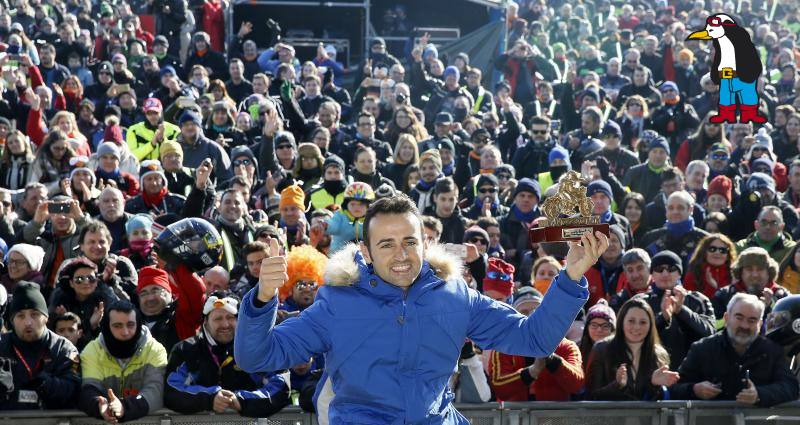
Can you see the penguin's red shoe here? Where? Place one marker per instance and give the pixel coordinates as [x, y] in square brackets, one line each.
[750, 113]
[727, 113]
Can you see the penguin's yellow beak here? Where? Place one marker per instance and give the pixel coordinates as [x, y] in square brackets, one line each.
[699, 35]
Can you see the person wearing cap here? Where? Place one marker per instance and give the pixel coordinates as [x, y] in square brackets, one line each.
[754, 272]
[769, 234]
[155, 197]
[139, 241]
[601, 322]
[197, 148]
[292, 218]
[641, 83]
[444, 92]
[180, 179]
[330, 191]
[523, 211]
[675, 118]
[442, 126]
[221, 126]
[111, 391]
[720, 163]
[108, 159]
[487, 199]
[42, 367]
[679, 233]
[620, 159]
[377, 54]
[757, 193]
[23, 263]
[646, 178]
[166, 58]
[682, 316]
[202, 374]
[655, 212]
[430, 164]
[715, 369]
[445, 208]
[144, 138]
[531, 159]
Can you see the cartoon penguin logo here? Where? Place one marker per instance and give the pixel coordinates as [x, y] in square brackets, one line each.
[735, 69]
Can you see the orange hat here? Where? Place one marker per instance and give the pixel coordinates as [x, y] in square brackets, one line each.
[293, 195]
[303, 263]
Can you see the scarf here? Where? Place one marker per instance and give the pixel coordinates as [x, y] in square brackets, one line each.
[141, 247]
[606, 216]
[522, 216]
[151, 201]
[672, 102]
[104, 175]
[334, 187]
[449, 168]
[479, 204]
[680, 229]
[424, 186]
[290, 230]
[654, 169]
[310, 176]
[220, 128]
[120, 349]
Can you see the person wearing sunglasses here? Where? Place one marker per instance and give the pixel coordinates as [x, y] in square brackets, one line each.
[769, 234]
[719, 161]
[487, 199]
[523, 211]
[81, 291]
[710, 265]
[682, 316]
[532, 158]
[620, 159]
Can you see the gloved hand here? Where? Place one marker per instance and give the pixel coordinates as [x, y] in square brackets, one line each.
[6, 377]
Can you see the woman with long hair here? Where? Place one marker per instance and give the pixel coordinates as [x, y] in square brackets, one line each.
[633, 209]
[632, 119]
[698, 144]
[66, 122]
[632, 364]
[16, 161]
[221, 127]
[406, 153]
[410, 178]
[220, 92]
[73, 93]
[51, 164]
[710, 265]
[787, 144]
[404, 121]
[789, 271]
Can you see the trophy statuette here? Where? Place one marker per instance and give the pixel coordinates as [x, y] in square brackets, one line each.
[561, 222]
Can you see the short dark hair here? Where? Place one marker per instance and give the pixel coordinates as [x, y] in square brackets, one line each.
[671, 173]
[540, 120]
[255, 246]
[400, 204]
[240, 181]
[444, 185]
[432, 223]
[95, 226]
[123, 306]
[67, 317]
[486, 222]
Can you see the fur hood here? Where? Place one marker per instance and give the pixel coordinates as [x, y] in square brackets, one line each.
[343, 268]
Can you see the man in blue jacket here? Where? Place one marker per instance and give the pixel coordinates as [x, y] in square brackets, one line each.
[393, 316]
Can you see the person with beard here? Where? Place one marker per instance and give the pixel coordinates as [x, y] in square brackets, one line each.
[124, 360]
[430, 164]
[309, 167]
[331, 190]
[445, 208]
[532, 157]
[202, 374]
[43, 365]
[584, 141]
[155, 196]
[737, 363]
[238, 86]
[620, 159]
[523, 211]
[52, 72]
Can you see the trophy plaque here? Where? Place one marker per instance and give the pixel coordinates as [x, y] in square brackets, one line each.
[561, 223]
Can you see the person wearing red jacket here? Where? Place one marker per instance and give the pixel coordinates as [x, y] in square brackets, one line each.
[214, 23]
[552, 378]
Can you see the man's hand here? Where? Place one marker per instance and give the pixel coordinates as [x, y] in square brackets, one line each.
[202, 174]
[75, 210]
[273, 273]
[115, 405]
[25, 61]
[472, 253]
[663, 376]
[679, 294]
[234, 404]
[584, 255]
[667, 306]
[706, 390]
[748, 395]
[105, 412]
[42, 213]
[97, 315]
[244, 29]
[221, 401]
[622, 375]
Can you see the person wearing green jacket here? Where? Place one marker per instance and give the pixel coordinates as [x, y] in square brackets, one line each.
[144, 138]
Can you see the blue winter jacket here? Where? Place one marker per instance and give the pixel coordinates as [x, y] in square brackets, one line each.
[390, 352]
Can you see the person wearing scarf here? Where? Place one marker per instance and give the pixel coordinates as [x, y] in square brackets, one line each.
[109, 156]
[235, 229]
[602, 197]
[431, 170]
[309, 165]
[514, 226]
[155, 197]
[609, 266]
[126, 349]
[487, 193]
[646, 178]
[140, 241]
[679, 233]
[331, 191]
[675, 118]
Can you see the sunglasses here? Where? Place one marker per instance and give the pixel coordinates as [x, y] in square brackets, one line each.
[305, 284]
[635, 104]
[539, 131]
[598, 326]
[498, 276]
[239, 162]
[487, 190]
[716, 21]
[283, 147]
[662, 269]
[720, 249]
[503, 176]
[85, 279]
[481, 241]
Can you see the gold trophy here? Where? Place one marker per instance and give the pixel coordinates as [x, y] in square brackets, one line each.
[561, 222]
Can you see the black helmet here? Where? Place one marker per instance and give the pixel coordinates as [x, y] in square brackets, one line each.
[783, 323]
[191, 241]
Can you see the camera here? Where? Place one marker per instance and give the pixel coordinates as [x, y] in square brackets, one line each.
[400, 99]
[58, 207]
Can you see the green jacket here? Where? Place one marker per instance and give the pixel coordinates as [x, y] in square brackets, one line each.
[140, 136]
[777, 251]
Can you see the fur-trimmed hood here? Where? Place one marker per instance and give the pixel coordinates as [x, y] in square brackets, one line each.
[344, 268]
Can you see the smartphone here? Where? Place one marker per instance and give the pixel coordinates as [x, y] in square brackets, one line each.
[58, 207]
[458, 250]
[555, 125]
[745, 379]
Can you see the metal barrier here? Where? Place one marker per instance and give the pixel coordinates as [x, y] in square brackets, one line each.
[532, 413]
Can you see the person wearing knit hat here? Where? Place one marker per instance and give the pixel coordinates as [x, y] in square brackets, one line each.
[292, 207]
[155, 196]
[190, 116]
[309, 165]
[331, 191]
[168, 147]
[245, 165]
[153, 276]
[139, 231]
[666, 261]
[526, 300]
[24, 262]
[487, 199]
[763, 183]
[27, 296]
[763, 164]
[108, 158]
[430, 165]
[558, 163]
[523, 211]
[498, 283]
[453, 73]
[659, 142]
[720, 194]
[601, 194]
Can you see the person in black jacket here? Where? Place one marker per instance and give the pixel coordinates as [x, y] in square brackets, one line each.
[202, 374]
[682, 317]
[171, 14]
[676, 118]
[531, 159]
[737, 363]
[445, 208]
[40, 368]
[646, 178]
[203, 55]
[620, 159]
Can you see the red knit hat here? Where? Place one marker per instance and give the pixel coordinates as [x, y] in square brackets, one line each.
[721, 185]
[499, 277]
[149, 276]
[113, 133]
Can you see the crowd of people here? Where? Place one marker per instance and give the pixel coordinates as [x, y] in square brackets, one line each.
[112, 136]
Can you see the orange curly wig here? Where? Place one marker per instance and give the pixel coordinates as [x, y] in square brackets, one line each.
[303, 263]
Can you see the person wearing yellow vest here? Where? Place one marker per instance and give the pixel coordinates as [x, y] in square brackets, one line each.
[331, 190]
[144, 138]
[558, 161]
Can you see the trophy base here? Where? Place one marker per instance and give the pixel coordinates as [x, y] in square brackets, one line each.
[564, 233]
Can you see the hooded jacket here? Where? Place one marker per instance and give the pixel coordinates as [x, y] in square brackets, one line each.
[390, 353]
[137, 382]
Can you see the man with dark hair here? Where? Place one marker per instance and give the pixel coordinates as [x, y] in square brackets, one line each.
[115, 393]
[432, 228]
[445, 208]
[43, 366]
[531, 159]
[414, 294]
[253, 253]
[69, 326]
[202, 374]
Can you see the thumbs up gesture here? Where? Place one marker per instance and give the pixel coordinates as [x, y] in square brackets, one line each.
[273, 273]
[115, 405]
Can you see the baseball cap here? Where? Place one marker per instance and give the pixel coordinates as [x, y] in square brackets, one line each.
[152, 104]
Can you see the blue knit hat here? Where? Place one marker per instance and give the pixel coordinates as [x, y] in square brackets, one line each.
[452, 70]
[139, 221]
[530, 186]
[760, 181]
[658, 142]
[558, 152]
[599, 186]
[190, 116]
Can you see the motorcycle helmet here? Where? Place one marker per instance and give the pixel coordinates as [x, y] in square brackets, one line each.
[191, 241]
[783, 323]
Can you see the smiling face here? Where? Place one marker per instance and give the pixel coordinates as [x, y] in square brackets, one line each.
[395, 247]
[221, 325]
[636, 325]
